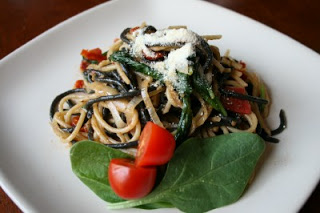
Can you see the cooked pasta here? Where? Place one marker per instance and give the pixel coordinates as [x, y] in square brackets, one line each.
[172, 77]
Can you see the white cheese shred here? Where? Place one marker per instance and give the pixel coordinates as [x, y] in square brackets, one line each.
[177, 59]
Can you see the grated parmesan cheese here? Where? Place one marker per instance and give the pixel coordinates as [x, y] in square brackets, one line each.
[177, 60]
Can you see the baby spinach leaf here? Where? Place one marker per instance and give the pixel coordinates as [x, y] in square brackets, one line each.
[205, 174]
[90, 162]
[157, 205]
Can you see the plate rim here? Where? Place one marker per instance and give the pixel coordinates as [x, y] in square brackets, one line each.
[13, 192]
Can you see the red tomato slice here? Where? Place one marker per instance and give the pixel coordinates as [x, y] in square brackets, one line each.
[157, 56]
[156, 146]
[84, 64]
[79, 84]
[129, 181]
[74, 121]
[234, 104]
[134, 29]
[94, 54]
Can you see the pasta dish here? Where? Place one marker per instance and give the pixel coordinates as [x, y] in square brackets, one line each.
[172, 77]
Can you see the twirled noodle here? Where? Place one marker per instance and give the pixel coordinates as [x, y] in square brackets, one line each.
[145, 96]
[123, 76]
[252, 120]
[202, 115]
[236, 75]
[117, 100]
[108, 127]
[172, 96]
[114, 47]
[255, 91]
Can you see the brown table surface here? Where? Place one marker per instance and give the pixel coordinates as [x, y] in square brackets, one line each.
[22, 20]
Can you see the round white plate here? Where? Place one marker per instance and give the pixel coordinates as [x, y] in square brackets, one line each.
[34, 166]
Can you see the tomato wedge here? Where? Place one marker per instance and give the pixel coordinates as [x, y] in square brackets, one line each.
[235, 104]
[156, 146]
[129, 181]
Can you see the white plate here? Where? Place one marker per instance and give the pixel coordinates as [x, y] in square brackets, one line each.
[35, 168]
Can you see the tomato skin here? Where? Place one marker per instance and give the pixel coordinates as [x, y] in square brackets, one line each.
[129, 181]
[79, 84]
[158, 55]
[74, 121]
[156, 146]
[84, 64]
[134, 29]
[94, 54]
[235, 104]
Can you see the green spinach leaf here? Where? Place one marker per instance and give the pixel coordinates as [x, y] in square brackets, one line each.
[157, 205]
[205, 174]
[90, 162]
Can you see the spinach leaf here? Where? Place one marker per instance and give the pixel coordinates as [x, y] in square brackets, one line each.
[90, 162]
[157, 205]
[125, 58]
[185, 121]
[186, 113]
[202, 86]
[206, 173]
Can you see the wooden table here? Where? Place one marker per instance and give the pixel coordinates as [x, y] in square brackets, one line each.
[22, 20]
